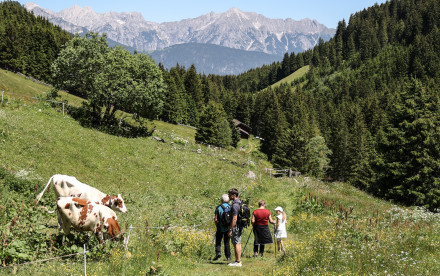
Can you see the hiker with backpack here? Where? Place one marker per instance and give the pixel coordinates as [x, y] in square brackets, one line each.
[222, 219]
[260, 223]
[234, 231]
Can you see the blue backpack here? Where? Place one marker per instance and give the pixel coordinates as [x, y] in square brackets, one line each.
[224, 215]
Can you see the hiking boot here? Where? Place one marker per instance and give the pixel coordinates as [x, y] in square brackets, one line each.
[216, 258]
[235, 264]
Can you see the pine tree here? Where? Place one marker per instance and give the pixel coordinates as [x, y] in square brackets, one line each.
[383, 34]
[235, 134]
[290, 151]
[273, 124]
[214, 126]
[339, 42]
[244, 107]
[262, 101]
[293, 63]
[285, 66]
[182, 107]
[300, 60]
[193, 87]
[409, 170]
[174, 103]
[360, 152]
[28, 44]
[339, 145]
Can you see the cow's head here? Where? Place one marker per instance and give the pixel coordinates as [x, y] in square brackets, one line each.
[118, 204]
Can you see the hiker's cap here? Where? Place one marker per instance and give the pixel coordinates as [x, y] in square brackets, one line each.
[279, 209]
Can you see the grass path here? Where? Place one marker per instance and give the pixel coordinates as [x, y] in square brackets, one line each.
[274, 194]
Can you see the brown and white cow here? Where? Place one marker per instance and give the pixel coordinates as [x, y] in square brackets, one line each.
[87, 216]
[69, 186]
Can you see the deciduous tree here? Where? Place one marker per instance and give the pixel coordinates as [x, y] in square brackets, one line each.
[111, 78]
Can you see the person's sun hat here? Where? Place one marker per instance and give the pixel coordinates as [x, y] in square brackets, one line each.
[279, 208]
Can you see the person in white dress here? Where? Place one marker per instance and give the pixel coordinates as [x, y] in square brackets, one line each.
[280, 228]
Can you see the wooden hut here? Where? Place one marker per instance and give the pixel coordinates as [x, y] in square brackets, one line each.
[245, 130]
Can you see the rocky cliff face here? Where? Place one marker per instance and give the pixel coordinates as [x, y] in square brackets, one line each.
[234, 29]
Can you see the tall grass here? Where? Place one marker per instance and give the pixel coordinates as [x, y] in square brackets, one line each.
[166, 184]
[174, 187]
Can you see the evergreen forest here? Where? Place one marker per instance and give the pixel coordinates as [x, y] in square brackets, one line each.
[367, 112]
[28, 44]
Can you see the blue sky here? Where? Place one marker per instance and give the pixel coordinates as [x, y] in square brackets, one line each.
[326, 12]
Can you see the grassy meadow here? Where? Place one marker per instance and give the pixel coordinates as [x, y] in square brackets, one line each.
[333, 228]
[295, 75]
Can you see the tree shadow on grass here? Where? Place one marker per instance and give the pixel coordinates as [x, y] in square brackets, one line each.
[113, 126]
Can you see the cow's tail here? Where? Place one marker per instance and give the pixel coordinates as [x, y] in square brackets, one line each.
[40, 195]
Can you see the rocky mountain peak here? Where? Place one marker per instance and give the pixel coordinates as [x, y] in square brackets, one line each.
[30, 6]
[235, 12]
[234, 29]
[79, 16]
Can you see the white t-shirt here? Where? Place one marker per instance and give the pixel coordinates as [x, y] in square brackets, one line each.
[281, 230]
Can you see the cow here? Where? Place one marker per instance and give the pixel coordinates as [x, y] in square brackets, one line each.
[69, 186]
[84, 215]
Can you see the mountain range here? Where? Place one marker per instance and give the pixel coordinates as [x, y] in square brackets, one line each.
[210, 58]
[235, 29]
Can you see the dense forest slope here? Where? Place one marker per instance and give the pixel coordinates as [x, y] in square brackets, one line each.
[367, 111]
[372, 94]
[28, 44]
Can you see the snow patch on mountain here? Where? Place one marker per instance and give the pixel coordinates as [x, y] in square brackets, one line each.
[234, 28]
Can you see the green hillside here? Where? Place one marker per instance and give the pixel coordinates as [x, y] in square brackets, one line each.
[15, 87]
[292, 77]
[333, 228]
[367, 112]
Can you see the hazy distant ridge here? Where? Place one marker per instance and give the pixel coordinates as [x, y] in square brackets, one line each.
[212, 59]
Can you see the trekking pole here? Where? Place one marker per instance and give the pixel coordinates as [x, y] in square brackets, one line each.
[242, 252]
[275, 241]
